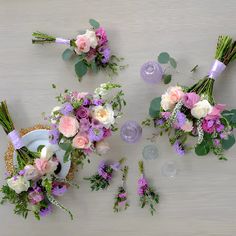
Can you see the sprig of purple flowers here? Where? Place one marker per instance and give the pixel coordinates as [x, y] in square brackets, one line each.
[101, 180]
[147, 195]
[121, 196]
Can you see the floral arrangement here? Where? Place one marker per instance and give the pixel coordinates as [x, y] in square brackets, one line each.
[147, 195]
[34, 184]
[101, 180]
[89, 50]
[84, 121]
[185, 112]
[121, 196]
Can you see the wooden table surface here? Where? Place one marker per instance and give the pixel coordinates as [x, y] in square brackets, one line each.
[201, 199]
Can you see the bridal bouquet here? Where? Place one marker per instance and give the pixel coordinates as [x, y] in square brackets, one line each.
[33, 185]
[84, 121]
[185, 112]
[89, 50]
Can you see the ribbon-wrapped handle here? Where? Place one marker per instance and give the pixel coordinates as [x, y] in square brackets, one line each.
[16, 139]
[62, 41]
[216, 69]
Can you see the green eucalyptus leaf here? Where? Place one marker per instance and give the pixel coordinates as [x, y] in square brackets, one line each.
[167, 79]
[94, 66]
[155, 107]
[163, 58]
[65, 146]
[228, 143]
[173, 62]
[67, 54]
[94, 23]
[81, 68]
[202, 149]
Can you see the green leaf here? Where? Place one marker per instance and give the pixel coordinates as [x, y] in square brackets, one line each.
[54, 86]
[228, 143]
[40, 147]
[155, 106]
[167, 79]
[173, 62]
[67, 54]
[163, 58]
[202, 149]
[94, 66]
[94, 23]
[65, 146]
[81, 68]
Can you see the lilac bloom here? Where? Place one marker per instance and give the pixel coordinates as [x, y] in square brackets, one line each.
[82, 112]
[97, 102]
[84, 125]
[95, 134]
[59, 189]
[54, 135]
[102, 171]
[122, 195]
[45, 211]
[180, 119]
[115, 166]
[66, 109]
[159, 122]
[178, 148]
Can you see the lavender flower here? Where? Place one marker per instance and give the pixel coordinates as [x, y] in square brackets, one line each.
[102, 171]
[82, 112]
[45, 211]
[180, 119]
[84, 125]
[95, 134]
[66, 109]
[115, 166]
[179, 148]
[54, 135]
[59, 189]
[97, 102]
[106, 53]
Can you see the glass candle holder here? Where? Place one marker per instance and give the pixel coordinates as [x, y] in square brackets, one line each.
[150, 152]
[131, 132]
[169, 169]
[151, 72]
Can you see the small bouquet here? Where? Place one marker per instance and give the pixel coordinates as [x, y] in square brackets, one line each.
[147, 195]
[121, 197]
[185, 112]
[33, 185]
[89, 51]
[101, 180]
[84, 121]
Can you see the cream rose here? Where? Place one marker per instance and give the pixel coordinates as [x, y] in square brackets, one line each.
[46, 153]
[30, 172]
[188, 126]
[91, 35]
[102, 147]
[104, 114]
[18, 184]
[166, 103]
[201, 109]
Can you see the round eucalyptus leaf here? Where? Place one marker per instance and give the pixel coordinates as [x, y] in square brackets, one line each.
[94, 23]
[173, 62]
[202, 149]
[67, 54]
[81, 68]
[167, 79]
[163, 58]
[155, 107]
[228, 143]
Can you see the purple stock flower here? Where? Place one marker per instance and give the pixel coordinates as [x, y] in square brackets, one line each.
[102, 36]
[159, 122]
[84, 124]
[180, 119]
[66, 109]
[36, 196]
[122, 195]
[216, 142]
[178, 148]
[45, 211]
[95, 134]
[115, 166]
[106, 55]
[102, 170]
[54, 135]
[82, 112]
[58, 189]
[22, 172]
[142, 185]
[97, 102]
[95, 123]
[86, 102]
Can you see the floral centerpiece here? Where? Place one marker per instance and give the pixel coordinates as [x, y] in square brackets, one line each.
[89, 50]
[33, 186]
[82, 124]
[185, 112]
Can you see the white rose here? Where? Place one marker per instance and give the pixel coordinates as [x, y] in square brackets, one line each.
[165, 102]
[18, 184]
[188, 126]
[201, 109]
[102, 147]
[46, 153]
[92, 38]
[31, 173]
[55, 114]
[104, 114]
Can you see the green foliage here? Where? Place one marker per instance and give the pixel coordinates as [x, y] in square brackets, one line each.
[173, 62]
[194, 68]
[97, 182]
[40, 147]
[167, 78]
[116, 207]
[149, 198]
[163, 58]
[202, 149]
[94, 23]
[81, 68]
[230, 116]
[67, 54]
[228, 143]
[155, 107]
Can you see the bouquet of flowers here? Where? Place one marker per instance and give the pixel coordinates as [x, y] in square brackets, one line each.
[103, 177]
[121, 197]
[89, 50]
[84, 121]
[147, 195]
[185, 112]
[33, 185]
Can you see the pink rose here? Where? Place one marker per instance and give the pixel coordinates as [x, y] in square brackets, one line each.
[190, 99]
[80, 141]
[82, 95]
[68, 126]
[83, 44]
[216, 112]
[36, 196]
[188, 126]
[44, 166]
[82, 112]
[175, 94]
